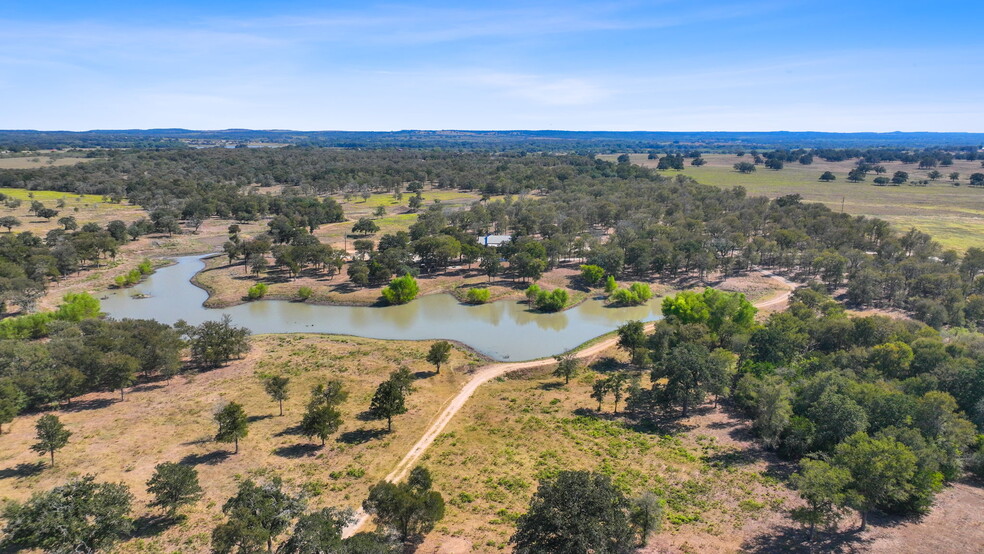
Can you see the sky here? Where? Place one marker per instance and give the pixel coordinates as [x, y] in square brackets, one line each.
[661, 65]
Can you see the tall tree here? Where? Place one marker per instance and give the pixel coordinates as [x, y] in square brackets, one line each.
[318, 532]
[773, 410]
[576, 511]
[320, 420]
[440, 353]
[388, 401]
[215, 343]
[646, 515]
[51, 435]
[12, 401]
[172, 486]
[599, 389]
[410, 509]
[276, 387]
[257, 514]
[881, 471]
[79, 516]
[823, 487]
[631, 336]
[331, 393]
[233, 424]
[567, 366]
[689, 373]
[119, 371]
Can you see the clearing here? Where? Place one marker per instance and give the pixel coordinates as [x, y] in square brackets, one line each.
[953, 215]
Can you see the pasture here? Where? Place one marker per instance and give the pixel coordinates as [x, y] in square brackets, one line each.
[953, 215]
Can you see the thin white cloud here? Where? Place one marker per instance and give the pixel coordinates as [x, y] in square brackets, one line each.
[420, 25]
[539, 89]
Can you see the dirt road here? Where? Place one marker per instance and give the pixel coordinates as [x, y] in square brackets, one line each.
[487, 373]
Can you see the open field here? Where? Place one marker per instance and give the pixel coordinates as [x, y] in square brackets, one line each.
[519, 429]
[953, 215]
[122, 441]
[85, 208]
[31, 162]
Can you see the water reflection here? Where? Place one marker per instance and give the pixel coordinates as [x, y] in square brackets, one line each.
[504, 330]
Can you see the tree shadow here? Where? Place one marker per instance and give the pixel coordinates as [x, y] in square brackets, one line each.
[292, 431]
[209, 459]
[143, 387]
[608, 364]
[360, 436]
[551, 385]
[418, 375]
[344, 287]
[730, 458]
[790, 538]
[93, 404]
[255, 418]
[147, 526]
[22, 470]
[294, 451]
[723, 425]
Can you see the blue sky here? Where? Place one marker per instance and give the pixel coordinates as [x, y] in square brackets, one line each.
[633, 65]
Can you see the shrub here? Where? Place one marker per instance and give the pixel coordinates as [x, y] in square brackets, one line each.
[642, 292]
[401, 290]
[75, 307]
[478, 296]
[552, 301]
[636, 294]
[130, 278]
[145, 267]
[624, 297]
[304, 293]
[610, 284]
[257, 291]
[592, 274]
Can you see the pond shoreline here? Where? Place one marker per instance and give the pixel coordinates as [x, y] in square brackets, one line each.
[212, 303]
[504, 330]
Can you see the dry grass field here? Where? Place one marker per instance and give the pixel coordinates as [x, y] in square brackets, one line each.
[953, 215]
[517, 430]
[158, 422]
[85, 208]
[39, 160]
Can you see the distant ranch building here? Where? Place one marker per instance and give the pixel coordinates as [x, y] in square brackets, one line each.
[495, 241]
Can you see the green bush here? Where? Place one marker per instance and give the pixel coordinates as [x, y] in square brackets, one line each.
[145, 267]
[642, 291]
[552, 301]
[75, 307]
[478, 296]
[257, 291]
[129, 279]
[636, 294]
[304, 293]
[624, 297]
[592, 274]
[401, 290]
[610, 284]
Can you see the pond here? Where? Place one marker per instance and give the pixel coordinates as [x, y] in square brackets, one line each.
[504, 330]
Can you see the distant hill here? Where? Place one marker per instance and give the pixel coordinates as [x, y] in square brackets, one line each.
[594, 141]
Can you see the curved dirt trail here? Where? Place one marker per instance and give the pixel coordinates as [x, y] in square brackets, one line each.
[489, 372]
